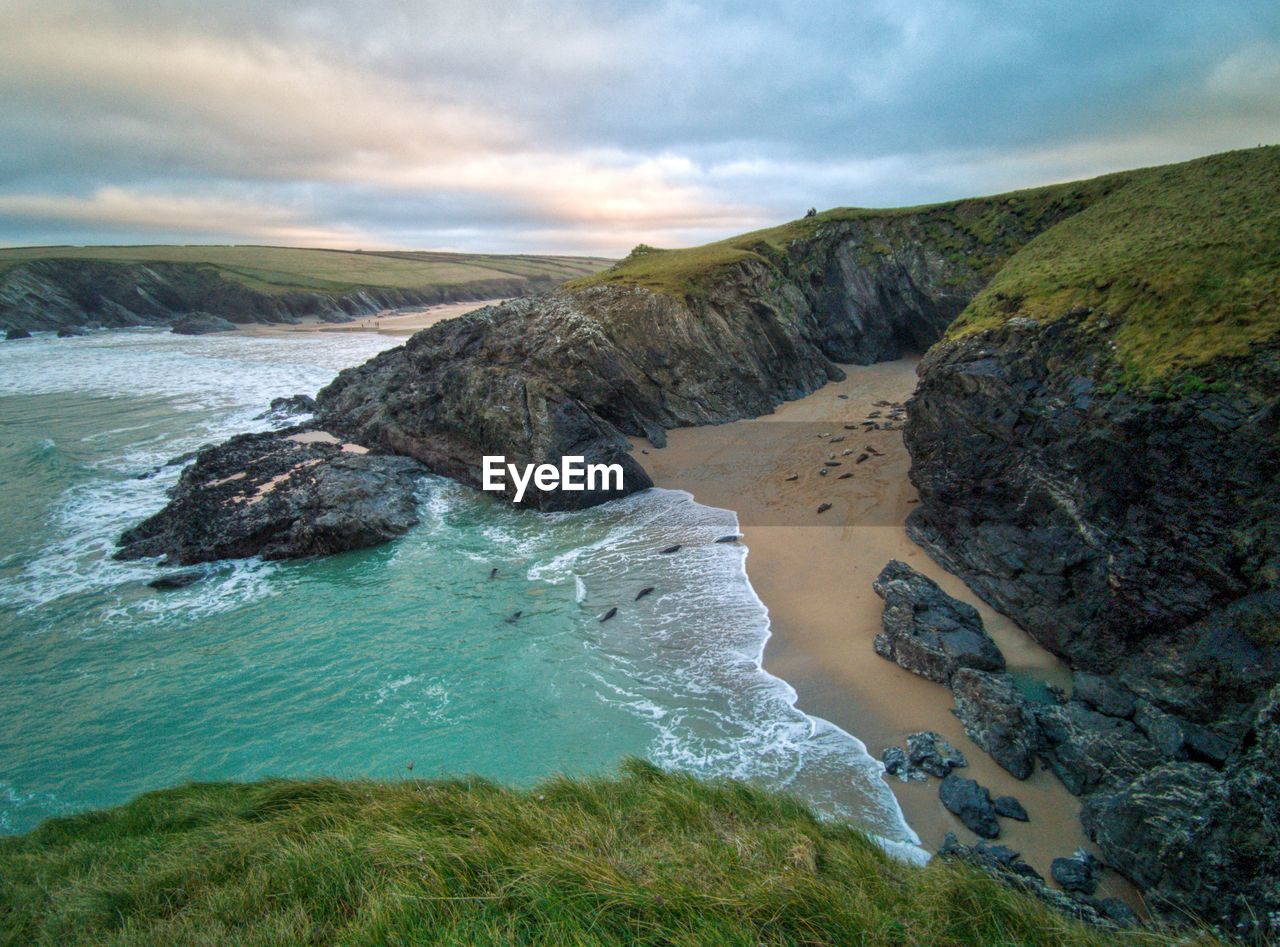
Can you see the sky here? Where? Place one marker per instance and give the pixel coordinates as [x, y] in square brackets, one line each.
[568, 127]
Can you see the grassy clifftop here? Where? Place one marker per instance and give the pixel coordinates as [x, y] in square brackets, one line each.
[278, 270]
[1186, 257]
[644, 858]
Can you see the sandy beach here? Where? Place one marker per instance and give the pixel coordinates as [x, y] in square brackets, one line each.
[399, 324]
[814, 572]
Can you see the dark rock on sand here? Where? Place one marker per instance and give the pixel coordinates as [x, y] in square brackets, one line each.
[202, 323]
[971, 803]
[998, 718]
[263, 494]
[927, 631]
[1010, 808]
[1080, 873]
[930, 752]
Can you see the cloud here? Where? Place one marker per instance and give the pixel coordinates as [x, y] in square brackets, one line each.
[564, 126]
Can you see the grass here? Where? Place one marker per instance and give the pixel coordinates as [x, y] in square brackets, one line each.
[1184, 259]
[644, 858]
[279, 270]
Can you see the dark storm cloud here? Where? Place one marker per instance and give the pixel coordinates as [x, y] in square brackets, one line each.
[590, 126]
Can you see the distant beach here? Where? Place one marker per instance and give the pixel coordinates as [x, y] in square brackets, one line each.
[400, 323]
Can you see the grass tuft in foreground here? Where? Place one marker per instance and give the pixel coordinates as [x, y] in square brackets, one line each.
[647, 857]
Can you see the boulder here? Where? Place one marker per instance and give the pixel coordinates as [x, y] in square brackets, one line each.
[14, 334]
[71, 332]
[1010, 808]
[971, 803]
[998, 718]
[289, 407]
[267, 495]
[202, 323]
[928, 751]
[1079, 873]
[1163, 730]
[927, 631]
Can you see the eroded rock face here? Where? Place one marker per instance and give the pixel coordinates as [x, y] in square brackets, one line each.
[268, 495]
[997, 717]
[927, 631]
[1202, 840]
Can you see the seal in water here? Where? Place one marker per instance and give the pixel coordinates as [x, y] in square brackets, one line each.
[513, 618]
[669, 550]
[493, 573]
[609, 614]
[643, 592]
[731, 538]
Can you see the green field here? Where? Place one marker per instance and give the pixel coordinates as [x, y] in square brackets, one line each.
[644, 858]
[285, 269]
[1184, 257]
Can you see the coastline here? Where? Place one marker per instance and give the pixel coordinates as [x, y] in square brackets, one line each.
[814, 572]
[397, 323]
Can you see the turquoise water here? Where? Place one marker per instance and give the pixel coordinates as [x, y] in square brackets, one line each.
[358, 664]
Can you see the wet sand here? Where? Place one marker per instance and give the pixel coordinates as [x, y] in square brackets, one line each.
[814, 572]
[399, 324]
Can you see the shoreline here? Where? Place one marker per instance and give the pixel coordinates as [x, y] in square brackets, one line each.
[813, 572]
[400, 323]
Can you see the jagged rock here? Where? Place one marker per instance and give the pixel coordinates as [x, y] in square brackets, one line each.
[14, 334]
[263, 494]
[1088, 750]
[1010, 808]
[971, 803]
[1162, 729]
[927, 631]
[1006, 866]
[1102, 694]
[1080, 873]
[288, 407]
[1202, 841]
[928, 751]
[896, 764]
[71, 332]
[202, 323]
[998, 718]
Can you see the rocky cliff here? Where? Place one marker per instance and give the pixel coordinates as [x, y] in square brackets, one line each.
[52, 294]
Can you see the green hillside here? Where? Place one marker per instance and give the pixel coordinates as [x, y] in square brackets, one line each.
[278, 270]
[1186, 256]
[646, 858]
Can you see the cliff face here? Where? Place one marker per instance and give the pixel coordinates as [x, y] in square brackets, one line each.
[54, 294]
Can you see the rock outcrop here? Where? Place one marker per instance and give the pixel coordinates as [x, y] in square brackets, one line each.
[927, 631]
[279, 497]
[202, 323]
[49, 294]
[998, 718]
[971, 804]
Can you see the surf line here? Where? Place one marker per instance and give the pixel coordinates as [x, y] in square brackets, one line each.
[573, 474]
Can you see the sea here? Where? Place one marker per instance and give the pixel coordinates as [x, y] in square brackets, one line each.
[393, 663]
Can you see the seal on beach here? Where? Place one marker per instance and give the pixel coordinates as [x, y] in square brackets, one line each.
[846, 475]
[643, 592]
[609, 614]
[861, 458]
[669, 550]
[832, 463]
[793, 477]
[513, 618]
[823, 507]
